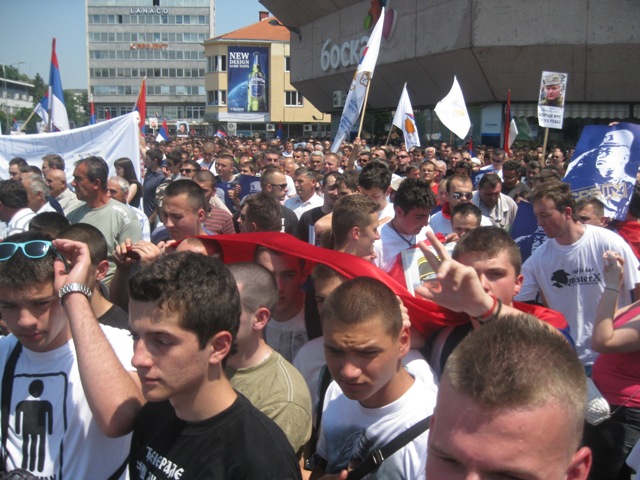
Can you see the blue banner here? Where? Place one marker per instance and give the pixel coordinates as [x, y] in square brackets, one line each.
[604, 165]
[248, 79]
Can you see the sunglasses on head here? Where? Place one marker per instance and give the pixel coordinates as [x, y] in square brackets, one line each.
[33, 249]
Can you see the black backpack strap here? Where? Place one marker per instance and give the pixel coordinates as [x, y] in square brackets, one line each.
[310, 448]
[380, 454]
[5, 400]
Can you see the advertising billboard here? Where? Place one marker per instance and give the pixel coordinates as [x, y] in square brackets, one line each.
[248, 79]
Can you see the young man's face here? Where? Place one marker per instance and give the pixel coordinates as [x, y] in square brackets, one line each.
[34, 315]
[463, 224]
[489, 195]
[364, 359]
[554, 222]
[224, 167]
[376, 194]
[170, 363]
[323, 288]
[14, 172]
[180, 218]
[367, 237]
[497, 275]
[533, 443]
[587, 216]
[412, 222]
[460, 192]
[289, 275]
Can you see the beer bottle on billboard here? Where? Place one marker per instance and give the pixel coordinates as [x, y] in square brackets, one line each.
[257, 87]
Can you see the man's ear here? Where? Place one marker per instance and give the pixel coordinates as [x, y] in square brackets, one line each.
[354, 233]
[219, 346]
[101, 270]
[201, 215]
[580, 465]
[260, 318]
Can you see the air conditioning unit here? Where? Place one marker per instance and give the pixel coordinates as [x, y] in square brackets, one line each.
[307, 128]
[271, 127]
[339, 97]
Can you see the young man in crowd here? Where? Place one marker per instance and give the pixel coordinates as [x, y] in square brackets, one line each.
[195, 424]
[71, 397]
[511, 405]
[271, 383]
[354, 226]
[373, 399]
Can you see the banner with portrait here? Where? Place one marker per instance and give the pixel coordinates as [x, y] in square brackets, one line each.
[248, 79]
[553, 88]
[605, 164]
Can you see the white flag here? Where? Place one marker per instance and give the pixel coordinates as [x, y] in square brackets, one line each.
[358, 89]
[405, 120]
[452, 111]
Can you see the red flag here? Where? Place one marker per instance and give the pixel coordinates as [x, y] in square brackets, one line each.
[141, 104]
[107, 114]
[507, 124]
[92, 111]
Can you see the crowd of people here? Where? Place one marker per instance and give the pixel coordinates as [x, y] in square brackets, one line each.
[251, 293]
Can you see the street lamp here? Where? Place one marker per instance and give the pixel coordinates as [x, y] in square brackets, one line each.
[6, 95]
[278, 23]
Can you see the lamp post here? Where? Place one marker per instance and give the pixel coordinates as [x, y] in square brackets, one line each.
[6, 95]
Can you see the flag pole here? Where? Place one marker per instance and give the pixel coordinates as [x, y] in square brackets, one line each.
[544, 144]
[364, 105]
[389, 136]
[27, 121]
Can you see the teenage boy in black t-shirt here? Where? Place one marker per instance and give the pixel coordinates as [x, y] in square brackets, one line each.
[184, 316]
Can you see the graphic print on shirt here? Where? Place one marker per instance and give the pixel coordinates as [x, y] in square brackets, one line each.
[579, 276]
[38, 423]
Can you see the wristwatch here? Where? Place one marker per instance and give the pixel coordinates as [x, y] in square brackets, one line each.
[74, 287]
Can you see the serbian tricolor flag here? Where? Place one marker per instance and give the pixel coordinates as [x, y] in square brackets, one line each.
[220, 134]
[92, 111]
[141, 105]
[163, 133]
[279, 132]
[510, 128]
[51, 108]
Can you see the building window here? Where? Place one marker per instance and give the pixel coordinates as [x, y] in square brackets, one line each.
[293, 99]
[217, 63]
[217, 97]
[287, 64]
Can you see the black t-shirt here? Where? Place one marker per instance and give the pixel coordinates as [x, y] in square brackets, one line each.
[289, 220]
[309, 218]
[239, 443]
[115, 317]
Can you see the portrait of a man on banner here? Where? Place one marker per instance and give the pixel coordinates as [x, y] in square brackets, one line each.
[605, 165]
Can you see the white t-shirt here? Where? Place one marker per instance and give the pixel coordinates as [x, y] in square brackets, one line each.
[391, 243]
[286, 338]
[50, 411]
[570, 280]
[350, 432]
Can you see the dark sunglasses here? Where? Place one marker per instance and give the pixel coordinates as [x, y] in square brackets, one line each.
[33, 249]
[282, 186]
[459, 195]
[187, 170]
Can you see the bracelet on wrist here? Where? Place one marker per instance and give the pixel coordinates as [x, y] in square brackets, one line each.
[492, 313]
[73, 288]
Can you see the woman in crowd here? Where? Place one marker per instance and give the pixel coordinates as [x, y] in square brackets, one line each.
[124, 169]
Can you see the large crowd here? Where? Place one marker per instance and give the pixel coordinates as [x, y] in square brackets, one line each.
[248, 308]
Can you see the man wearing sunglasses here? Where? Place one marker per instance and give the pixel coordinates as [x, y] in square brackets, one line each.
[69, 390]
[459, 191]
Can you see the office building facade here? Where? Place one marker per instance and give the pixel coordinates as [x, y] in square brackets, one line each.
[161, 40]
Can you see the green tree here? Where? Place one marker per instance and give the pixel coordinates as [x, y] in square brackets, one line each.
[39, 88]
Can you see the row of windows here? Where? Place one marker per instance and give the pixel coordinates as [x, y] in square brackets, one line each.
[114, 90]
[148, 19]
[147, 72]
[219, 98]
[182, 37]
[218, 63]
[146, 55]
[168, 112]
[147, 3]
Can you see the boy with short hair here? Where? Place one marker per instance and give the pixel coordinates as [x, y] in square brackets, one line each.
[184, 316]
[373, 398]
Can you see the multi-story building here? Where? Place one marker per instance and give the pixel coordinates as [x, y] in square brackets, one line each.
[161, 40]
[248, 86]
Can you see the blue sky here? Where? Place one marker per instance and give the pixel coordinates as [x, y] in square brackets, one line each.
[27, 27]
